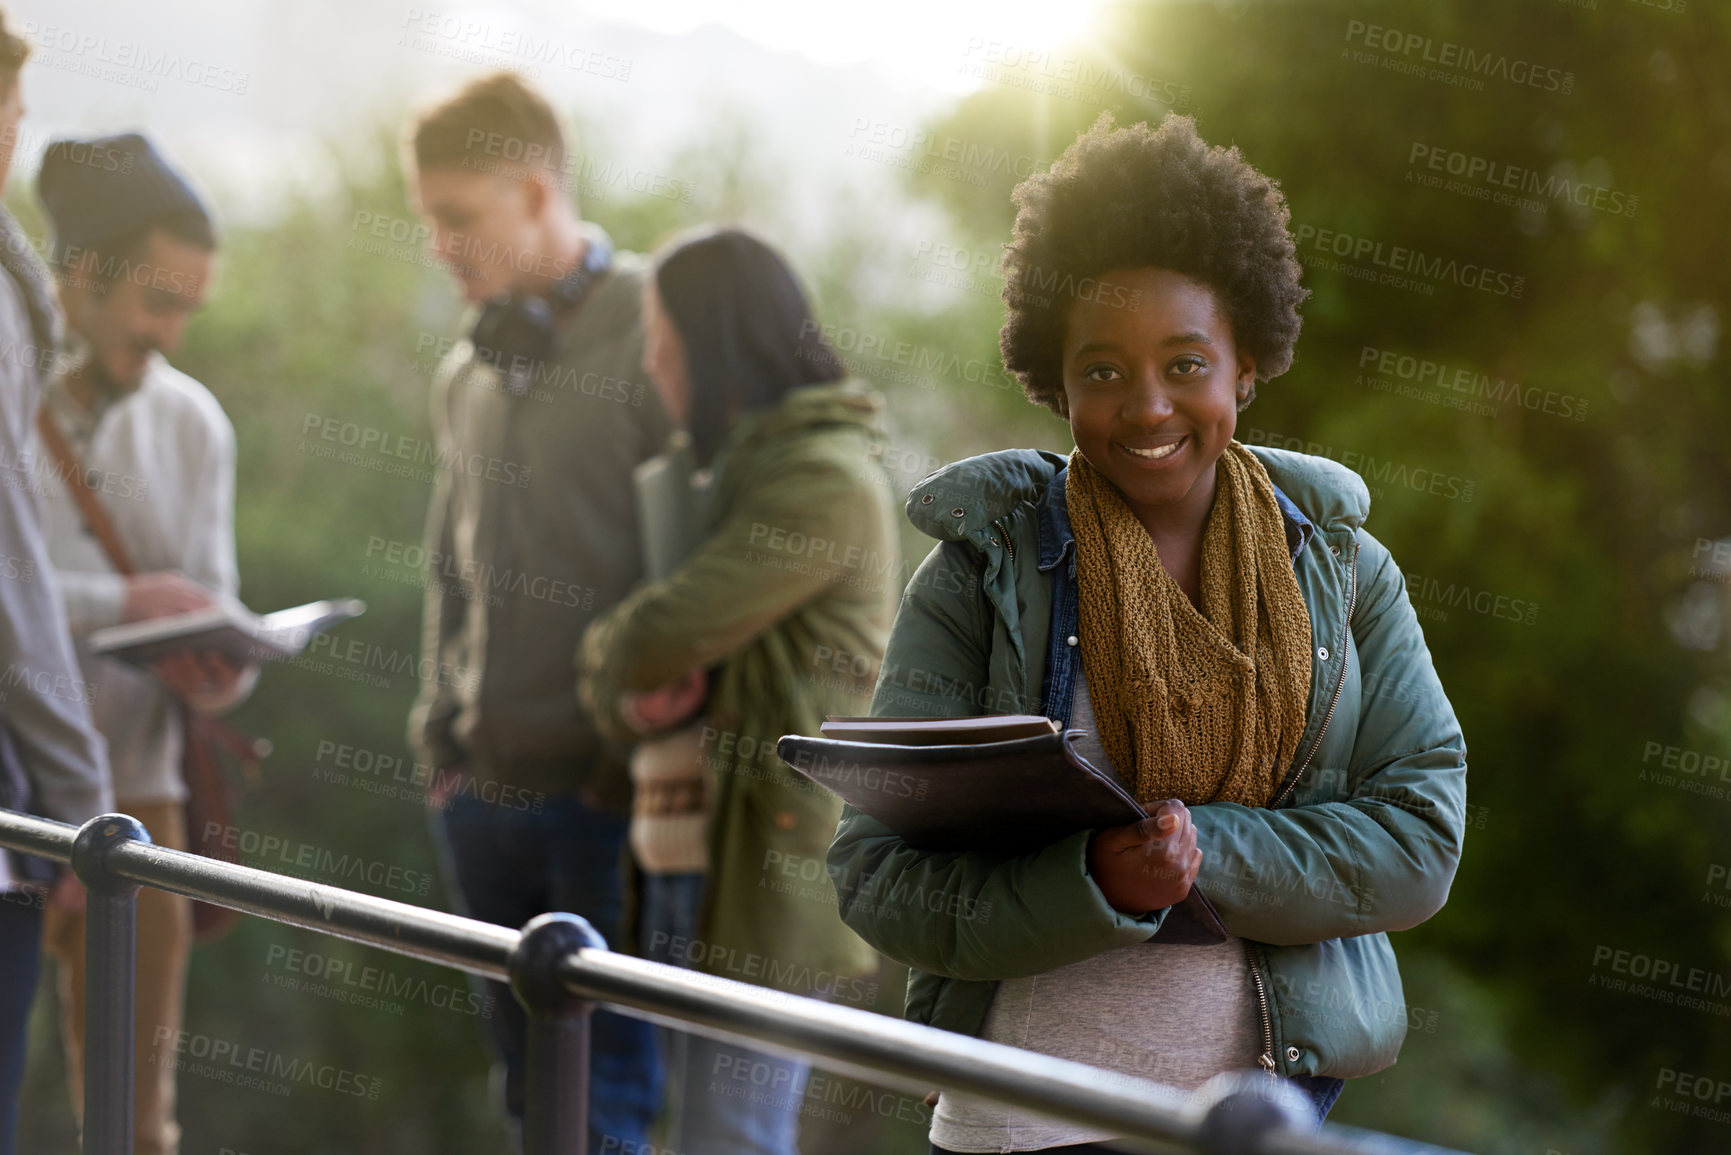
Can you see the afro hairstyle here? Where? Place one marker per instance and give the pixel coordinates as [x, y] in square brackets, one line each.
[1137, 197]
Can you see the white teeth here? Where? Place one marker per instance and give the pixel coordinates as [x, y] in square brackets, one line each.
[1156, 454]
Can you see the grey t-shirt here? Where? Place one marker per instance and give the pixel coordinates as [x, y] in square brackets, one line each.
[1175, 1014]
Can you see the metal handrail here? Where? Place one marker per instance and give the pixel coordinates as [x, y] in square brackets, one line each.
[560, 969]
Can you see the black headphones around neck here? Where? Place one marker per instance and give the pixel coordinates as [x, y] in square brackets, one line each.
[514, 332]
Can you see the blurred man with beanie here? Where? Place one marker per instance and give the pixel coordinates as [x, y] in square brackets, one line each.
[51, 758]
[154, 454]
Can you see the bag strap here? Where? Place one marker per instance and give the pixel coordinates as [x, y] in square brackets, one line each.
[83, 493]
[247, 750]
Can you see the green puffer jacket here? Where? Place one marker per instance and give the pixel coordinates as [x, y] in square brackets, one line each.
[789, 600]
[1364, 841]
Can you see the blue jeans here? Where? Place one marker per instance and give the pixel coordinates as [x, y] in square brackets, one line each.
[1322, 1089]
[723, 1099]
[20, 951]
[505, 866]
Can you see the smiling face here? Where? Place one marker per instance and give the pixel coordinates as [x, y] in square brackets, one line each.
[141, 310]
[1151, 390]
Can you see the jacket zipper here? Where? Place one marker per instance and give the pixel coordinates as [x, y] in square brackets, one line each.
[1266, 1059]
[1008, 544]
[1345, 656]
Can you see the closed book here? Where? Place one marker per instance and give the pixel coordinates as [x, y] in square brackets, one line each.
[1010, 797]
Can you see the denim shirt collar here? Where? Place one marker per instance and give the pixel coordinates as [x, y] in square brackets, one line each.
[1056, 537]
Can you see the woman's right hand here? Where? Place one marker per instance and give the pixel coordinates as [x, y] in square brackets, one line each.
[1148, 864]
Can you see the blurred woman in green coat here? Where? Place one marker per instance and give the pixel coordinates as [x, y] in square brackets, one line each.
[777, 618]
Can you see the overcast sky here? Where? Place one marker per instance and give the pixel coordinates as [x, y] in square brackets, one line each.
[248, 93]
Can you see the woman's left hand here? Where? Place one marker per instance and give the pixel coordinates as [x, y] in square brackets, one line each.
[666, 705]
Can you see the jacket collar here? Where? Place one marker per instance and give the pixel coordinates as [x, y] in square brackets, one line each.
[1056, 536]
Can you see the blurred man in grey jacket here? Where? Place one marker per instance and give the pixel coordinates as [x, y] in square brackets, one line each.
[541, 416]
[52, 761]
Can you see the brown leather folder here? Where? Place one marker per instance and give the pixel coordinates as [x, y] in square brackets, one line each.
[1008, 797]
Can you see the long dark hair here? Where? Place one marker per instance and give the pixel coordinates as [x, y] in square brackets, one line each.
[747, 328]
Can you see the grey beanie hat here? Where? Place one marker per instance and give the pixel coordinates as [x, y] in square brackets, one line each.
[110, 187]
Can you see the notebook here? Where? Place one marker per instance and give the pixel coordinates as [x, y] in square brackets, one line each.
[1006, 795]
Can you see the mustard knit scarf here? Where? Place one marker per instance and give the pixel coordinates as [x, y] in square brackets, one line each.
[1202, 706]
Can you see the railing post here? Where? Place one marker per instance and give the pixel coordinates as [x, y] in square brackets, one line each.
[110, 975]
[556, 1108]
[1246, 1106]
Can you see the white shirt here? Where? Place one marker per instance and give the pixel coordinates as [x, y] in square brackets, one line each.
[162, 461]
